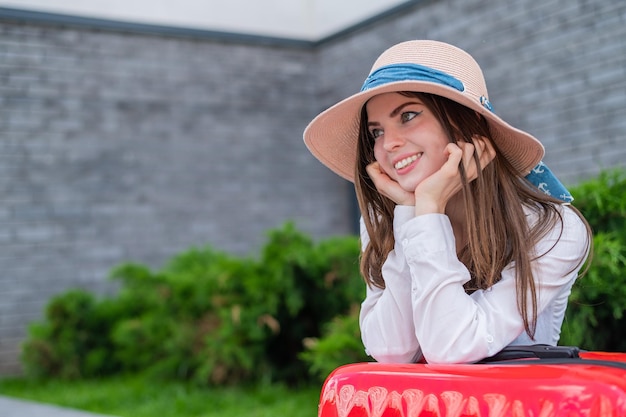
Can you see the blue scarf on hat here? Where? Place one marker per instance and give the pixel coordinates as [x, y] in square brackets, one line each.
[542, 178]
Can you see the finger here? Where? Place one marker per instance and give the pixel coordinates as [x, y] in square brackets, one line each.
[484, 154]
[455, 156]
[469, 163]
[376, 173]
[479, 145]
[379, 177]
[484, 150]
[489, 153]
[388, 187]
[373, 169]
[468, 153]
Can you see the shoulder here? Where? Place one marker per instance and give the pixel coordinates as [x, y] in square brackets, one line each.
[567, 232]
[566, 216]
[572, 220]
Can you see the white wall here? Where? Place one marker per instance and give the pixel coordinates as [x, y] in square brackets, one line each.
[298, 19]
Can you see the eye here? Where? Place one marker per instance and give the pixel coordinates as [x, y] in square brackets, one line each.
[375, 133]
[409, 115]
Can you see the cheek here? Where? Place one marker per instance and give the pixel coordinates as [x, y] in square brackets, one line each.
[379, 152]
[381, 156]
[438, 148]
[439, 156]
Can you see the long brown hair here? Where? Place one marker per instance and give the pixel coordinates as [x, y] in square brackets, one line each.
[496, 227]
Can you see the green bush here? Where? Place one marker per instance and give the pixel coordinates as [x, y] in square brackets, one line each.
[185, 323]
[340, 345]
[596, 314]
[73, 342]
[206, 316]
[316, 283]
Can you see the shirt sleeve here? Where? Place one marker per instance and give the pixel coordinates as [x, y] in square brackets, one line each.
[386, 318]
[424, 308]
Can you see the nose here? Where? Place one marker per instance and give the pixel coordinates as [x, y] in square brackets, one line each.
[392, 140]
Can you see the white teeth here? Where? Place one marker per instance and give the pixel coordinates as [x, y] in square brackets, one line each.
[406, 161]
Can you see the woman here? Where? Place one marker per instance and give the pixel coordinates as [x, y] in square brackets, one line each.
[462, 254]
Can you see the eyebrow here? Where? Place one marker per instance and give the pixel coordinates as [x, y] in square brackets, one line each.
[396, 111]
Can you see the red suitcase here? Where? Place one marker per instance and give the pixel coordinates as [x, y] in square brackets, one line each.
[542, 381]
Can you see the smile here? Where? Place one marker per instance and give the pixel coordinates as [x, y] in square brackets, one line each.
[407, 161]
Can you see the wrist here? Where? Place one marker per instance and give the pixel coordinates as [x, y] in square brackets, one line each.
[426, 206]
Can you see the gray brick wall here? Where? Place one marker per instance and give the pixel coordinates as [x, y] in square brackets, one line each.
[118, 146]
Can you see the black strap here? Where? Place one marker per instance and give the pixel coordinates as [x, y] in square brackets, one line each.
[534, 351]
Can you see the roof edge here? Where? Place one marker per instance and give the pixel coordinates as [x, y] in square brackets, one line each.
[60, 19]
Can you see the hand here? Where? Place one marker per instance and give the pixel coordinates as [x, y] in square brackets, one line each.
[432, 194]
[388, 187]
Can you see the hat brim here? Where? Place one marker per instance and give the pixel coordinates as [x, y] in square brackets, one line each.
[332, 136]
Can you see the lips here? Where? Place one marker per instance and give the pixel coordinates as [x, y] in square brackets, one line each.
[405, 162]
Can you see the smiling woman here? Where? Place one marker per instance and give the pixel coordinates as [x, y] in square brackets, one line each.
[409, 143]
[462, 255]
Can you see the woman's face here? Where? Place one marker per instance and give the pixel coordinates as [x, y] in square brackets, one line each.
[409, 141]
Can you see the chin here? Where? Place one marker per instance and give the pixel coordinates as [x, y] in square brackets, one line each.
[409, 186]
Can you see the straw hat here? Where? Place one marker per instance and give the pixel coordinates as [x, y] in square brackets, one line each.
[420, 66]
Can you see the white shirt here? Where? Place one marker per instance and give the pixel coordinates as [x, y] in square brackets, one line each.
[424, 309]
